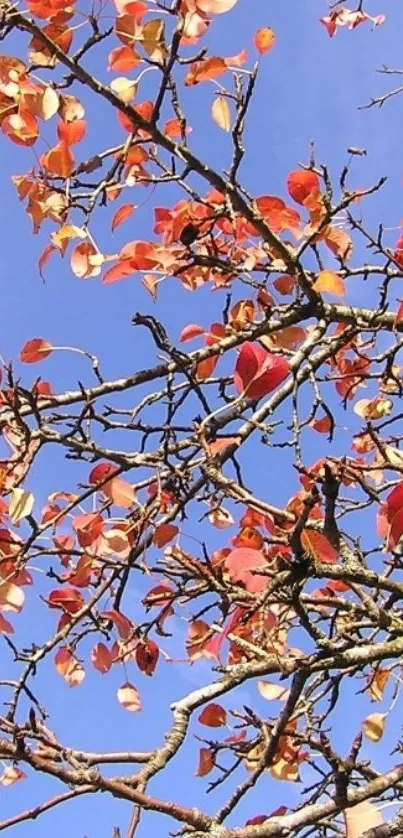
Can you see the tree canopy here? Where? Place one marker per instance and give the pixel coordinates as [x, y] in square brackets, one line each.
[218, 548]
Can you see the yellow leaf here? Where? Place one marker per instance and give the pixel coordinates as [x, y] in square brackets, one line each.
[21, 505]
[373, 408]
[373, 726]
[378, 683]
[221, 113]
[329, 283]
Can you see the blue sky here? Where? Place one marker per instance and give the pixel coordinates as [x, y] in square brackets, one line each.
[310, 88]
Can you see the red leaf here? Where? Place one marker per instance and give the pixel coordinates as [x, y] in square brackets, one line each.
[399, 315]
[35, 350]
[213, 716]
[147, 655]
[100, 472]
[323, 425]
[206, 762]
[122, 623]
[5, 626]
[88, 528]
[257, 372]
[68, 599]
[391, 513]
[164, 534]
[101, 658]
[240, 562]
[284, 284]
[319, 546]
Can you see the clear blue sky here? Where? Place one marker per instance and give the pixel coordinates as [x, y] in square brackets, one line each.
[309, 88]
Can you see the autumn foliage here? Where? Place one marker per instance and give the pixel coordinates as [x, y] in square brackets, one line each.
[259, 568]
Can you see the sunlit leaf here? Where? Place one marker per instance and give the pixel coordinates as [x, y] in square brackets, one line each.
[221, 113]
[272, 692]
[213, 715]
[21, 504]
[129, 698]
[373, 727]
[35, 350]
[264, 40]
[329, 282]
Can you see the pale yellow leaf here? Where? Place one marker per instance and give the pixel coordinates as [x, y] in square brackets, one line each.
[21, 505]
[221, 113]
[373, 727]
[272, 692]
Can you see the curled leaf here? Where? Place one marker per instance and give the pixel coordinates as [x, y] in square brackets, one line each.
[373, 727]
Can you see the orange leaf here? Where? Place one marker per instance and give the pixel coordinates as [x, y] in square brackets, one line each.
[59, 160]
[123, 59]
[122, 623]
[120, 492]
[35, 350]
[22, 128]
[71, 133]
[302, 185]
[264, 40]
[377, 684]
[329, 283]
[121, 215]
[205, 70]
